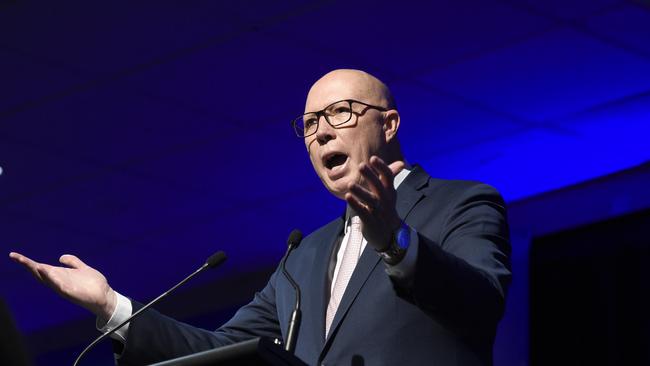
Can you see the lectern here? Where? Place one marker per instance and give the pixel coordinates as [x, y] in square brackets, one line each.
[254, 352]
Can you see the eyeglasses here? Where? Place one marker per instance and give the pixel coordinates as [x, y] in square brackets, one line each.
[335, 114]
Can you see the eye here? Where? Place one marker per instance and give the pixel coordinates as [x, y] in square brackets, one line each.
[310, 122]
[341, 109]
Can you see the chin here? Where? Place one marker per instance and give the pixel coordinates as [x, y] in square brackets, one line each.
[339, 187]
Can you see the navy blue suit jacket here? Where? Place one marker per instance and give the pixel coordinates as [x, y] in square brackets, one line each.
[445, 313]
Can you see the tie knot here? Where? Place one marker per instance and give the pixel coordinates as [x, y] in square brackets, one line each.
[355, 221]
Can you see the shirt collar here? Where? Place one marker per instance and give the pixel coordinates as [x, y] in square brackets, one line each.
[399, 178]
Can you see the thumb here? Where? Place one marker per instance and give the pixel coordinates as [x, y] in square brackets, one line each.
[71, 261]
[396, 167]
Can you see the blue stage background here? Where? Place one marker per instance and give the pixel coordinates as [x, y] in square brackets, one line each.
[143, 136]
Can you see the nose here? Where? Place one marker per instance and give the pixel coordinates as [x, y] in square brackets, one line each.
[325, 132]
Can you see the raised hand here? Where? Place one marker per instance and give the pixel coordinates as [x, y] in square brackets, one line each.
[77, 282]
[374, 201]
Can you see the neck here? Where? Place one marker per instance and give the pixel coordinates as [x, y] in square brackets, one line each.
[392, 153]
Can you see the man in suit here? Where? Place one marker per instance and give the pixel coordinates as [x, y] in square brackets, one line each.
[414, 272]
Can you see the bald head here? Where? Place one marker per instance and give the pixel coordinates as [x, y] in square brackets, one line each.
[338, 150]
[348, 84]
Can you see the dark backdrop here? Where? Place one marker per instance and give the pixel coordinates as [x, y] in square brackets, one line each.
[590, 294]
[145, 135]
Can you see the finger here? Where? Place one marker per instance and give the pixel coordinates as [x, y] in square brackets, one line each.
[15, 256]
[47, 276]
[358, 207]
[370, 175]
[387, 172]
[364, 196]
[396, 167]
[31, 265]
[71, 261]
[384, 173]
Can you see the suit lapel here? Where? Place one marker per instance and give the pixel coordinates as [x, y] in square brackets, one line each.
[317, 289]
[408, 195]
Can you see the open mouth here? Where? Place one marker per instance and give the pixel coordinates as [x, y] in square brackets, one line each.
[335, 160]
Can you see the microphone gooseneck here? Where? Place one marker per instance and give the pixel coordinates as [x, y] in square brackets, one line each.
[294, 323]
[213, 261]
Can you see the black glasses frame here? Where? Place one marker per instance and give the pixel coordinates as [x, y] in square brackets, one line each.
[300, 132]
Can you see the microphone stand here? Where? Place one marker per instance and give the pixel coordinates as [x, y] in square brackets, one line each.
[214, 260]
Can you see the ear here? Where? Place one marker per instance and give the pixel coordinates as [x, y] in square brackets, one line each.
[391, 124]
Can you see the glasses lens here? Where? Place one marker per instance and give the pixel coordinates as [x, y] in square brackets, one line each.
[339, 112]
[306, 124]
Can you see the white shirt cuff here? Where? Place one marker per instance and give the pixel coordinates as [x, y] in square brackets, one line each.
[123, 310]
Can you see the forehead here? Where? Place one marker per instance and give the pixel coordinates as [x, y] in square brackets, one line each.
[328, 91]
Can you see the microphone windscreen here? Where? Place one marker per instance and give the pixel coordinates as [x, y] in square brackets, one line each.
[216, 259]
[294, 238]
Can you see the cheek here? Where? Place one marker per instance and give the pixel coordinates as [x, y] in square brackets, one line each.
[360, 153]
[311, 152]
[313, 163]
[308, 146]
[365, 142]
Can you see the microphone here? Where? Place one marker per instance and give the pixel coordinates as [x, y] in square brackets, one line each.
[213, 261]
[294, 324]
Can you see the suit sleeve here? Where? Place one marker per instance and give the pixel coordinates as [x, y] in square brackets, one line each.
[154, 337]
[461, 277]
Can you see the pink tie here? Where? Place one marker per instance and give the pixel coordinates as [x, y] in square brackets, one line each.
[349, 261]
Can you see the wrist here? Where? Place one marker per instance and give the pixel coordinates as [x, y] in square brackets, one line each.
[389, 237]
[108, 308]
[397, 246]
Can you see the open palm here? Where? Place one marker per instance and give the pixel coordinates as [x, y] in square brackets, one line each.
[77, 282]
